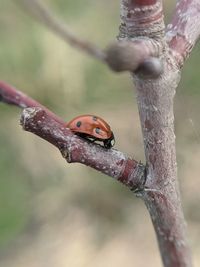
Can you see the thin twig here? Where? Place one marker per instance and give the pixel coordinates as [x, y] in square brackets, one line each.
[10, 95]
[42, 13]
[127, 56]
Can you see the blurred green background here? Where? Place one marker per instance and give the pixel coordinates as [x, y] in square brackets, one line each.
[58, 214]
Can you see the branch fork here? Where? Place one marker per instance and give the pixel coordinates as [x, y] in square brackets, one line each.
[121, 56]
[140, 19]
[154, 55]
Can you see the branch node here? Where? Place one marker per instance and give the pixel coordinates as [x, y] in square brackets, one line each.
[122, 56]
[135, 57]
[141, 174]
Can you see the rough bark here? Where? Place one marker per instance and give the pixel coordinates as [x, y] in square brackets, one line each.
[41, 121]
[154, 55]
[75, 149]
[184, 29]
[144, 20]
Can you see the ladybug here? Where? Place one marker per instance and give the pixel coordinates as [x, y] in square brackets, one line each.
[92, 128]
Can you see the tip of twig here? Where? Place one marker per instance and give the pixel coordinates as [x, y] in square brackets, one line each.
[151, 67]
[27, 114]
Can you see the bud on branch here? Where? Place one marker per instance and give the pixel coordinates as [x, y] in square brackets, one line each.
[137, 56]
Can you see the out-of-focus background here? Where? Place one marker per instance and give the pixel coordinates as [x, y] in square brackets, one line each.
[57, 214]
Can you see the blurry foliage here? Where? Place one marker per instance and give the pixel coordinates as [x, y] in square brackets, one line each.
[68, 82]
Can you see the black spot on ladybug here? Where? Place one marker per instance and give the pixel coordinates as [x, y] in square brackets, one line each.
[78, 124]
[94, 118]
[97, 130]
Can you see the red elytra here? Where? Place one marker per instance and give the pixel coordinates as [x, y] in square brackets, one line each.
[92, 128]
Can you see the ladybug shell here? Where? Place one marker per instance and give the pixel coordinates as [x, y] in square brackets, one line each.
[90, 125]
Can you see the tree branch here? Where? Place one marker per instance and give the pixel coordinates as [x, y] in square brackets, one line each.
[142, 23]
[42, 13]
[75, 149]
[10, 95]
[143, 19]
[139, 56]
[118, 59]
[184, 30]
[39, 120]
[141, 37]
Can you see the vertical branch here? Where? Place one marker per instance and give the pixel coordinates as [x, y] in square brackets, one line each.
[184, 30]
[162, 197]
[144, 20]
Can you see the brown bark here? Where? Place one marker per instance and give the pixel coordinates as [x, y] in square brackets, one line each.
[184, 30]
[155, 57]
[41, 121]
[155, 103]
[75, 149]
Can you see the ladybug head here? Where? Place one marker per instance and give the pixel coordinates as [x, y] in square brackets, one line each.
[110, 142]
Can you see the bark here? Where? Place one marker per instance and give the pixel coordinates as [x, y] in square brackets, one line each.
[184, 30]
[120, 63]
[154, 55]
[41, 121]
[75, 149]
[155, 103]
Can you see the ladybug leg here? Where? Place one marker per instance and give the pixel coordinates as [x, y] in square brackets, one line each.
[86, 137]
[92, 140]
[107, 143]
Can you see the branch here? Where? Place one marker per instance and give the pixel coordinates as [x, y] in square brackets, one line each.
[184, 30]
[39, 120]
[75, 149]
[119, 57]
[139, 56]
[10, 95]
[41, 12]
[142, 27]
[141, 18]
